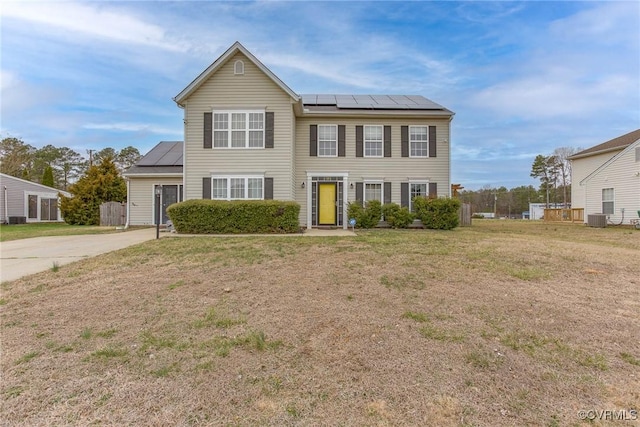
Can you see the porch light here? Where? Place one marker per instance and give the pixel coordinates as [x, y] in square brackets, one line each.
[351, 186]
[302, 184]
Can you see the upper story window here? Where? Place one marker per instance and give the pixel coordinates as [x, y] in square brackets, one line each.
[327, 140]
[238, 129]
[238, 68]
[373, 141]
[418, 141]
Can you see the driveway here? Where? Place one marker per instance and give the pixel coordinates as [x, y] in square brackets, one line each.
[29, 256]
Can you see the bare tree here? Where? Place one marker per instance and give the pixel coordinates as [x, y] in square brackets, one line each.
[563, 163]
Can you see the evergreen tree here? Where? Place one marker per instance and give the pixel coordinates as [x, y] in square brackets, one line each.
[101, 183]
[47, 177]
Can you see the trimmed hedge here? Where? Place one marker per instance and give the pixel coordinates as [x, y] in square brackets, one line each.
[234, 217]
[396, 216]
[366, 217]
[437, 214]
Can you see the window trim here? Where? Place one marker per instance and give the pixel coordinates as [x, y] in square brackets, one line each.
[611, 201]
[229, 130]
[318, 140]
[417, 182]
[411, 142]
[364, 141]
[369, 182]
[246, 179]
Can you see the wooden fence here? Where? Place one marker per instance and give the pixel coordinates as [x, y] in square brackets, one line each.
[571, 215]
[113, 213]
[464, 215]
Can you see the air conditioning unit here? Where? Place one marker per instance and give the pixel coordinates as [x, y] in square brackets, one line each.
[597, 220]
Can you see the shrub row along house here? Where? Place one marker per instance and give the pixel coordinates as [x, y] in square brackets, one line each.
[247, 135]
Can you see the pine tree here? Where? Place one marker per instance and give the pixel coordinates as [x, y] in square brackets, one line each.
[101, 183]
[47, 177]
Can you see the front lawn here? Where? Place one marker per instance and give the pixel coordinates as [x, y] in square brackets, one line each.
[500, 324]
[26, 231]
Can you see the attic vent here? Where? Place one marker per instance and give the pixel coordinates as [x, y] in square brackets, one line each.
[238, 68]
[637, 154]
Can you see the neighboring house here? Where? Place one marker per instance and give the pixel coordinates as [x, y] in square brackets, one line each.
[606, 178]
[162, 166]
[249, 136]
[26, 201]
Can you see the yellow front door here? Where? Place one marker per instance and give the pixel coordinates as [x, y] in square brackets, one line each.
[327, 203]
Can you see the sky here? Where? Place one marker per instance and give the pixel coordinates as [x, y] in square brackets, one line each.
[523, 78]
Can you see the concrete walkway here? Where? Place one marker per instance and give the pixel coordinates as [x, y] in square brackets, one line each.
[23, 257]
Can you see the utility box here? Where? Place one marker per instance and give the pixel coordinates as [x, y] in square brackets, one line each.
[597, 220]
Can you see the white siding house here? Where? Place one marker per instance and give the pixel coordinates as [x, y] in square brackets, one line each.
[606, 179]
[26, 201]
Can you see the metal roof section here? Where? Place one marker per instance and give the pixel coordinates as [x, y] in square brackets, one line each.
[211, 69]
[371, 102]
[166, 153]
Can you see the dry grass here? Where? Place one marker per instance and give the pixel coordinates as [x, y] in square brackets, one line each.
[504, 323]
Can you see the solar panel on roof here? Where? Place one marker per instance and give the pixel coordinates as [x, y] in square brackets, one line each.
[326, 100]
[309, 99]
[166, 153]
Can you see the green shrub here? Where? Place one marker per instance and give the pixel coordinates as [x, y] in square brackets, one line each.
[396, 216]
[366, 217]
[233, 217]
[437, 214]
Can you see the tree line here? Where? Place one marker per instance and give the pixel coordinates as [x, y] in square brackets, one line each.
[554, 173]
[57, 167]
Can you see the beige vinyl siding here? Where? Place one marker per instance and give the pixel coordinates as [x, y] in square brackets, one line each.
[580, 169]
[253, 90]
[395, 169]
[623, 175]
[141, 196]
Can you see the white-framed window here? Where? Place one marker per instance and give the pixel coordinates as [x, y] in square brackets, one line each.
[373, 141]
[238, 129]
[608, 201]
[373, 191]
[418, 141]
[238, 67]
[417, 189]
[327, 140]
[237, 188]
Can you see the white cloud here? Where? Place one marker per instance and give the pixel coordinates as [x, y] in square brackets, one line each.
[91, 20]
[134, 127]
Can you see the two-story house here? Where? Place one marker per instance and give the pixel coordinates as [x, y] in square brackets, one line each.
[247, 135]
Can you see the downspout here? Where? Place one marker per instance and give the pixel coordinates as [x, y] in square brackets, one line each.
[126, 225]
[6, 206]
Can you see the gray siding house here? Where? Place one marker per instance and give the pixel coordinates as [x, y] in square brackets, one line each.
[249, 136]
[26, 201]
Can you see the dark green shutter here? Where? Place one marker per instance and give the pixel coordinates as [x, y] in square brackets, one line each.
[359, 192]
[359, 141]
[342, 143]
[206, 188]
[387, 192]
[208, 130]
[433, 190]
[268, 188]
[387, 141]
[268, 129]
[404, 194]
[404, 141]
[432, 141]
[313, 140]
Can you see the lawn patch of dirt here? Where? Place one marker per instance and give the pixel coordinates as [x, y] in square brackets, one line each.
[503, 323]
